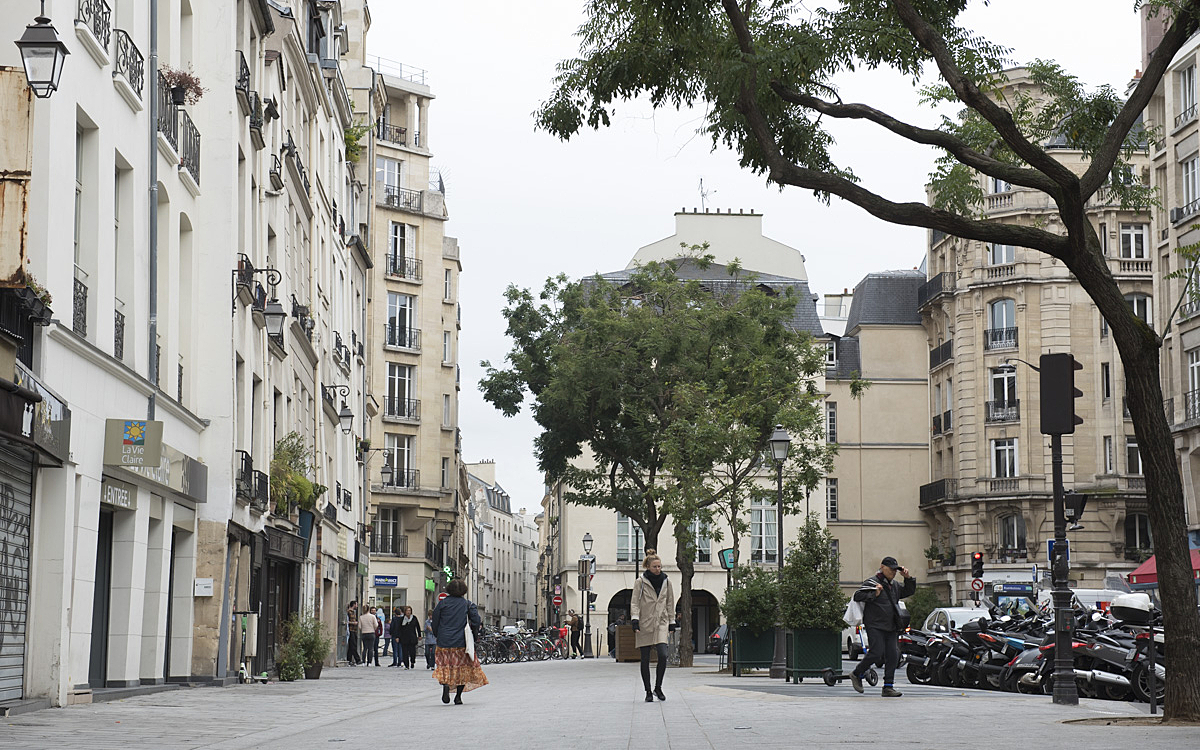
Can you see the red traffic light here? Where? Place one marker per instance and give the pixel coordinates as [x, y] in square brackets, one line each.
[978, 556]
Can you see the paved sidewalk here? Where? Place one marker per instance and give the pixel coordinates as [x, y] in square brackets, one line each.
[576, 704]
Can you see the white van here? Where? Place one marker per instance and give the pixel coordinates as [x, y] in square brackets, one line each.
[1094, 598]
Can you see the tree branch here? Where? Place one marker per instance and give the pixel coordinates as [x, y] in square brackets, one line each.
[960, 150]
[969, 93]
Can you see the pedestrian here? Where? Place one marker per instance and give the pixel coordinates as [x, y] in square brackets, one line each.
[409, 629]
[430, 640]
[367, 624]
[880, 596]
[653, 617]
[385, 636]
[576, 626]
[613, 629]
[397, 646]
[378, 630]
[352, 634]
[455, 665]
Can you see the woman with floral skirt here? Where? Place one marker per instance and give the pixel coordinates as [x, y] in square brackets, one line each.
[456, 667]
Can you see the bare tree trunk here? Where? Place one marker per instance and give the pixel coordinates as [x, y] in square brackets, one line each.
[687, 570]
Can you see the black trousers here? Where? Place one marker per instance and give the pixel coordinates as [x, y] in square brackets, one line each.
[883, 648]
[660, 669]
[352, 647]
[409, 656]
[576, 641]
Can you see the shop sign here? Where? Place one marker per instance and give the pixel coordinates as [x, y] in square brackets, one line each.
[132, 443]
[387, 581]
[118, 494]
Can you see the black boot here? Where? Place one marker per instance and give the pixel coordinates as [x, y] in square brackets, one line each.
[458, 696]
[445, 693]
[658, 692]
[649, 697]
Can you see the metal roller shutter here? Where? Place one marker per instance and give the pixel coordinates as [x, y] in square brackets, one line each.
[16, 492]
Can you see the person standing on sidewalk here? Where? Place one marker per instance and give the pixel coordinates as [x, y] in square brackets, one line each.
[378, 631]
[880, 596]
[653, 618]
[385, 637]
[352, 634]
[394, 634]
[367, 624]
[576, 626]
[450, 620]
[430, 640]
[409, 630]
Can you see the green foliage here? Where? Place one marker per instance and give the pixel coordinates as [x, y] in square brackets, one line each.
[290, 662]
[35, 286]
[753, 599]
[289, 484]
[858, 385]
[309, 637]
[923, 601]
[811, 596]
[933, 552]
[353, 139]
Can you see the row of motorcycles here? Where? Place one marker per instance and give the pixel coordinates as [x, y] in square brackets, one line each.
[1013, 650]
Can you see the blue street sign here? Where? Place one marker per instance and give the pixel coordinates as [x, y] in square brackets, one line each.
[1050, 550]
[387, 581]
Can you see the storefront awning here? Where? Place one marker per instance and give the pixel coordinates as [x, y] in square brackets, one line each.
[1147, 573]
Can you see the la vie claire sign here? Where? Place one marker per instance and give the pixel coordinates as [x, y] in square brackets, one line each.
[132, 442]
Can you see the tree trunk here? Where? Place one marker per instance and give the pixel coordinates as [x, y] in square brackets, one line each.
[687, 570]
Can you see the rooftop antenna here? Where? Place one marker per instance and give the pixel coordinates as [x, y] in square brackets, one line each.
[704, 195]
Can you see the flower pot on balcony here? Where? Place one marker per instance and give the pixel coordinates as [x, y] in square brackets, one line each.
[178, 95]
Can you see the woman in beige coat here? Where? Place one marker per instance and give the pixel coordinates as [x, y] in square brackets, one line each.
[653, 614]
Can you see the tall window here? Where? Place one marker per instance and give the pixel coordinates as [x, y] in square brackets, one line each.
[385, 536]
[831, 498]
[402, 318]
[1187, 92]
[1105, 381]
[998, 185]
[1103, 233]
[389, 172]
[1190, 180]
[1140, 303]
[445, 472]
[831, 354]
[446, 410]
[402, 459]
[1004, 458]
[629, 540]
[1012, 532]
[1108, 455]
[1193, 368]
[999, 255]
[447, 292]
[1133, 457]
[762, 531]
[1133, 240]
[402, 240]
[831, 421]
[1137, 532]
[1004, 385]
[1002, 325]
[400, 389]
[447, 347]
[701, 540]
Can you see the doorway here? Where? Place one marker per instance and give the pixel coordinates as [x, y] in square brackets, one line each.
[98, 665]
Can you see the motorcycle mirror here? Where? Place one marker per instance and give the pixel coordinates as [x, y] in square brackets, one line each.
[1097, 617]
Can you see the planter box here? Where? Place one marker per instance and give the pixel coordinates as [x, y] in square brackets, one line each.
[810, 653]
[313, 672]
[748, 650]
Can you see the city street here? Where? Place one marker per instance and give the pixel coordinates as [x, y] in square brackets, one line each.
[569, 704]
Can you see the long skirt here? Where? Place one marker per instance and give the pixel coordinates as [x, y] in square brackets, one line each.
[455, 667]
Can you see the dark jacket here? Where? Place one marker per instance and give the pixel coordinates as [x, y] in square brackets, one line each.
[882, 611]
[406, 633]
[450, 618]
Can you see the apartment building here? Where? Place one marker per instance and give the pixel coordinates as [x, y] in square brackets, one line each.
[988, 310]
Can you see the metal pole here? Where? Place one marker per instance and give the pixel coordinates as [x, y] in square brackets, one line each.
[152, 240]
[1065, 691]
[779, 662]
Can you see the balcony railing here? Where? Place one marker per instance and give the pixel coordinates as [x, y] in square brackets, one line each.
[244, 485]
[942, 489]
[262, 490]
[402, 408]
[1136, 266]
[260, 297]
[242, 85]
[389, 544]
[168, 115]
[947, 420]
[409, 478]
[97, 16]
[941, 354]
[401, 198]
[405, 268]
[79, 309]
[130, 62]
[999, 338]
[331, 511]
[276, 172]
[293, 152]
[347, 498]
[1003, 411]
[1182, 212]
[943, 283]
[118, 335]
[1004, 484]
[1185, 116]
[407, 338]
[189, 145]
[256, 112]
[1191, 405]
[392, 133]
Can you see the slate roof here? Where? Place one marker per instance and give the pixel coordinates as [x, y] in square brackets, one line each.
[804, 318]
[886, 298]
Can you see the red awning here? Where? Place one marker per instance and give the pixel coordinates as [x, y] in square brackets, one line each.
[1147, 572]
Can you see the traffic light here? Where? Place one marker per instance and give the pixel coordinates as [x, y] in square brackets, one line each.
[977, 565]
[1058, 394]
[591, 597]
[1073, 505]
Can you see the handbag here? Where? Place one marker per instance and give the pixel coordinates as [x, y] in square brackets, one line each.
[854, 614]
[470, 640]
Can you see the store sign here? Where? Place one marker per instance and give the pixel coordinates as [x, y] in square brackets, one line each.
[177, 472]
[48, 422]
[386, 581]
[118, 494]
[132, 443]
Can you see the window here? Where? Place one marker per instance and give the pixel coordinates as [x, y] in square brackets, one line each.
[1189, 183]
[831, 421]
[447, 292]
[831, 498]
[629, 540]
[836, 548]
[1108, 454]
[402, 243]
[1133, 240]
[446, 410]
[1187, 93]
[1133, 457]
[1137, 532]
[402, 319]
[447, 347]
[701, 540]
[402, 459]
[1103, 234]
[831, 353]
[1002, 331]
[998, 185]
[762, 531]
[389, 173]
[1012, 532]
[400, 388]
[1103, 327]
[1004, 385]
[385, 537]
[445, 471]
[999, 255]
[1004, 458]
[1141, 307]
[1105, 381]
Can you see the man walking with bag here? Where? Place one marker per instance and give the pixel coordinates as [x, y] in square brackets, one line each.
[880, 596]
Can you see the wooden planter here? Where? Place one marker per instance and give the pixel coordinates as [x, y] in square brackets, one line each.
[750, 650]
[811, 653]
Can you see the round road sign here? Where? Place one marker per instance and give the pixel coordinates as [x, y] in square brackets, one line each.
[441, 596]
[557, 601]
[977, 584]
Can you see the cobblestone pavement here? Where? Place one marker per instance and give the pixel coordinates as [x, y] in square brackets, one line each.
[568, 704]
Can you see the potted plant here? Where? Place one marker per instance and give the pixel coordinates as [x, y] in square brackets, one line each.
[307, 642]
[933, 554]
[184, 84]
[813, 602]
[750, 609]
[290, 663]
[290, 485]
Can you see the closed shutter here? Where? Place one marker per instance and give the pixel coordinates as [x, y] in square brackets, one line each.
[16, 493]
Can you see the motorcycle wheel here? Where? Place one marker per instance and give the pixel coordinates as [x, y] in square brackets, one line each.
[1139, 681]
[918, 675]
[1115, 692]
[942, 675]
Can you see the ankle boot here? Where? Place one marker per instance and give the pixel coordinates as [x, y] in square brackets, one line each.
[649, 697]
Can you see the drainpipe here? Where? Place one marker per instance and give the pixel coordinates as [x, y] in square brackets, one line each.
[152, 74]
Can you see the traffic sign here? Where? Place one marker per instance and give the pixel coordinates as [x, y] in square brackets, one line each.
[441, 596]
[977, 584]
[557, 601]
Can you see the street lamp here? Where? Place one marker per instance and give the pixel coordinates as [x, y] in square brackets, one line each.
[345, 416]
[587, 544]
[585, 577]
[42, 54]
[780, 442]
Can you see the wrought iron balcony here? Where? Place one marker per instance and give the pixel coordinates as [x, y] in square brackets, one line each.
[189, 145]
[79, 309]
[1003, 411]
[276, 172]
[406, 338]
[403, 267]
[947, 420]
[942, 489]
[293, 152]
[389, 544]
[97, 16]
[168, 115]
[941, 354]
[402, 408]
[262, 491]
[242, 85]
[937, 424]
[391, 133]
[408, 478]
[118, 335]
[260, 297]
[244, 485]
[999, 338]
[130, 63]
[402, 198]
[941, 284]
[1185, 116]
[347, 498]
[330, 511]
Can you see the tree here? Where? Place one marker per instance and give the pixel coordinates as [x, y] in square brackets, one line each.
[810, 596]
[763, 72]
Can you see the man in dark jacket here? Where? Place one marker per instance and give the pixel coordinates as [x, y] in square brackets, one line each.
[880, 596]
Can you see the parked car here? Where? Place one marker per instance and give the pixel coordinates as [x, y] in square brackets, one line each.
[855, 638]
[718, 642]
[946, 619]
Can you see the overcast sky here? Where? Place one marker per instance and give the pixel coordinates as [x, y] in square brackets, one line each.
[525, 206]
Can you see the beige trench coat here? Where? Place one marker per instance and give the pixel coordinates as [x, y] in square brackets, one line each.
[654, 612]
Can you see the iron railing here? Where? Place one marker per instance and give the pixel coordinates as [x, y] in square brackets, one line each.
[262, 490]
[404, 267]
[402, 198]
[118, 334]
[1003, 411]
[97, 16]
[295, 154]
[390, 544]
[244, 486]
[402, 408]
[1185, 115]
[276, 172]
[947, 420]
[1000, 338]
[189, 146]
[408, 338]
[941, 284]
[410, 478]
[942, 489]
[391, 133]
[941, 354]
[260, 297]
[243, 76]
[130, 63]
[331, 511]
[937, 424]
[256, 112]
[168, 114]
[79, 309]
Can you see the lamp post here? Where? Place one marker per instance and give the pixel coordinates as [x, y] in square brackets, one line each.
[780, 443]
[587, 603]
[42, 54]
[345, 416]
